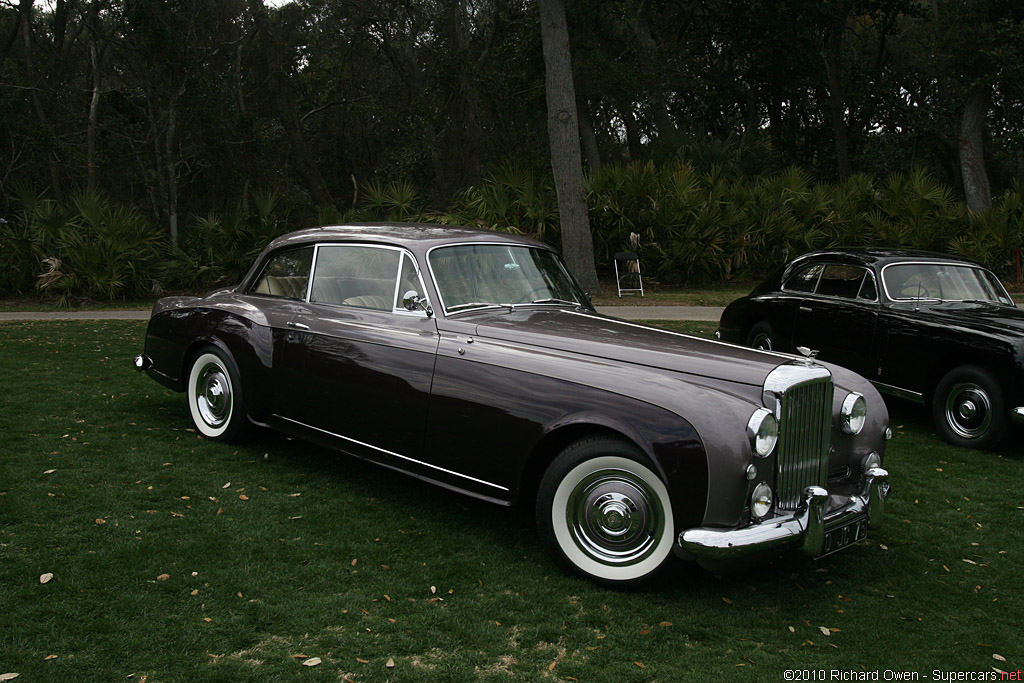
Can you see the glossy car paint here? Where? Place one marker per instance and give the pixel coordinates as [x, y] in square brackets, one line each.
[904, 347]
[482, 400]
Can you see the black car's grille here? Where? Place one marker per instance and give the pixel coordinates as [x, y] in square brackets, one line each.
[804, 433]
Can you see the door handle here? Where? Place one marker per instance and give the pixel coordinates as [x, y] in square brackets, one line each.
[806, 309]
[296, 326]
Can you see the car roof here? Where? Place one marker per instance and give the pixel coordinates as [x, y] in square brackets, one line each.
[880, 257]
[416, 236]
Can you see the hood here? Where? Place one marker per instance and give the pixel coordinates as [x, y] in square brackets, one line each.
[983, 317]
[600, 336]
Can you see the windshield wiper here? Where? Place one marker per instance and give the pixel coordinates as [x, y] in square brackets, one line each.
[553, 300]
[477, 304]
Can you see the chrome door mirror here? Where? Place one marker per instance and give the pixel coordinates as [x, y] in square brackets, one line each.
[412, 301]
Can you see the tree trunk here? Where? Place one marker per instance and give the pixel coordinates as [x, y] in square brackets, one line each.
[833, 56]
[972, 150]
[25, 10]
[591, 152]
[564, 137]
[91, 130]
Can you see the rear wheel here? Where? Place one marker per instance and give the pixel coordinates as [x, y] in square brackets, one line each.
[605, 515]
[968, 408]
[214, 394]
[761, 337]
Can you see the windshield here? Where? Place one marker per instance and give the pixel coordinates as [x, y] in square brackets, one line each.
[943, 281]
[480, 275]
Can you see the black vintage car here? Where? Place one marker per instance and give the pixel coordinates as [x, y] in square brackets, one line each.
[930, 328]
[473, 360]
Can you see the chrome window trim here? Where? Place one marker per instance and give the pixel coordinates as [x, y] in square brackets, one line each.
[789, 276]
[402, 254]
[391, 453]
[510, 245]
[955, 264]
[832, 297]
[251, 289]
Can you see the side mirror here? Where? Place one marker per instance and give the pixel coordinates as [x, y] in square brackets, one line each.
[412, 301]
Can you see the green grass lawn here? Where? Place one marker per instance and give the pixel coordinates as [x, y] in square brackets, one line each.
[179, 559]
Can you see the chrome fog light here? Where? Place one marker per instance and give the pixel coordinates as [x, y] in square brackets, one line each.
[872, 460]
[763, 430]
[854, 413]
[761, 500]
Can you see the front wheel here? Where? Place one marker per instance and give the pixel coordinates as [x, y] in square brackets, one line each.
[606, 516]
[215, 396]
[968, 408]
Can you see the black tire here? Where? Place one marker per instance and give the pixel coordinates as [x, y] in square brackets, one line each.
[761, 337]
[214, 393]
[605, 515]
[968, 408]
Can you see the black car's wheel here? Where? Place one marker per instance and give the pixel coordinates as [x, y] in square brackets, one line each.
[968, 408]
[606, 516]
[214, 394]
[761, 337]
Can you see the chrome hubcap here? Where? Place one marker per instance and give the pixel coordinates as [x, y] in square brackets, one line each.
[213, 395]
[763, 342]
[968, 410]
[614, 517]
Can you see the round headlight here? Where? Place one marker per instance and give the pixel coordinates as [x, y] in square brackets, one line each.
[763, 430]
[761, 500]
[854, 413]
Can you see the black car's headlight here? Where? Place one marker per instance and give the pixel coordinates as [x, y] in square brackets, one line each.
[854, 413]
[763, 430]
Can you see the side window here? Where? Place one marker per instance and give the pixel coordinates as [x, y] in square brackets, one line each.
[804, 279]
[355, 275]
[286, 275]
[841, 281]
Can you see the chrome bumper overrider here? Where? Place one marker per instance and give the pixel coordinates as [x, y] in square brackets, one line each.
[808, 528]
[143, 362]
[1017, 415]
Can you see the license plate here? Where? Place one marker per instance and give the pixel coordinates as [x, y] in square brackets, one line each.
[847, 534]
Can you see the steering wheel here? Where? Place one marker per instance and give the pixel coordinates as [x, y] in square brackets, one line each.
[915, 290]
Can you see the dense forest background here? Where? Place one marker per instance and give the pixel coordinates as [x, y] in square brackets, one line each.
[152, 144]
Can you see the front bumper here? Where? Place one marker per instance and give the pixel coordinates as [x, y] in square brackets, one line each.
[808, 529]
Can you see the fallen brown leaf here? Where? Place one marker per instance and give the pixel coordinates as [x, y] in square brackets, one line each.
[46, 578]
[163, 577]
[312, 661]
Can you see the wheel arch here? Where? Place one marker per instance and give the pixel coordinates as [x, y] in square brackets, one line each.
[675, 452]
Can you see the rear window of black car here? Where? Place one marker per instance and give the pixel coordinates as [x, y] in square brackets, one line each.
[804, 280]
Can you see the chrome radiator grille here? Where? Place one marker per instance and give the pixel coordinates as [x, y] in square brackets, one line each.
[805, 425]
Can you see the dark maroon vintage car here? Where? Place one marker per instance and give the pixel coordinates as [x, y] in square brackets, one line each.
[474, 361]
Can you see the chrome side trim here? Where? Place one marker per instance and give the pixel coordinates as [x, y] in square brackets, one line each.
[906, 394]
[391, 453]
[806, 529]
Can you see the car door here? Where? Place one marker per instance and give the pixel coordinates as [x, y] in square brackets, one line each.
[354, 367]
[840, 317]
